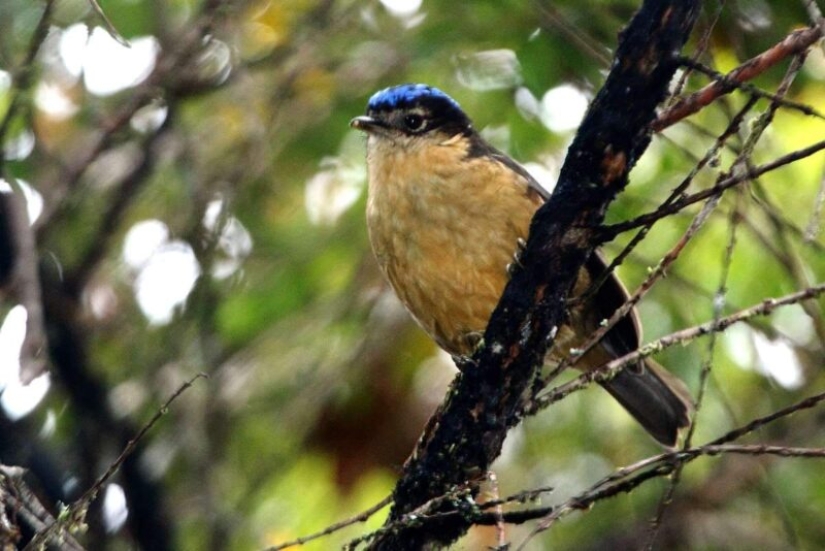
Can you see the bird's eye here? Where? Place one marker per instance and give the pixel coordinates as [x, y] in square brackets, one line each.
[414, 122]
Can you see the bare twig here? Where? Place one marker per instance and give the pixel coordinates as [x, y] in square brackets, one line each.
[663, 465]
[17, 497]
[108, 25]
[24, 79]
[704, 375]
[687, 200]
[735, 434]
[762, 449]
[778, 217]
[787, 257]
[360, 517]
[551, 17]
[776, 99]
[476, 512]
[742, 160]
[75, 514]
[679, 337]
[796, 42]
[815, 223]
[701, 48]
[627, 478]
[622, 480]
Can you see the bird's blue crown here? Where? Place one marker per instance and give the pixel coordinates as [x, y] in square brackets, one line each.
[406, 95]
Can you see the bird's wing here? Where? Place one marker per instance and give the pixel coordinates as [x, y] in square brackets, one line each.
[627, 333]
[480, 148]
[532, 184]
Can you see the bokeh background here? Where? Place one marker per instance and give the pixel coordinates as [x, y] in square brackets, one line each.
[196, 201]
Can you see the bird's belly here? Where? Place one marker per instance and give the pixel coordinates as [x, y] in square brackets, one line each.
[454, 294]
[448, 268]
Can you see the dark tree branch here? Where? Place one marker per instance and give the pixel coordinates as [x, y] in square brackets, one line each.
[18, 274]
[466, 433]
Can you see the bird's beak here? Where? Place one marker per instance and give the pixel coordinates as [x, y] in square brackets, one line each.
[366, 124]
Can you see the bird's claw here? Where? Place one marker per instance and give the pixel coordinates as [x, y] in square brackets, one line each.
[521, 244]
[464, 363]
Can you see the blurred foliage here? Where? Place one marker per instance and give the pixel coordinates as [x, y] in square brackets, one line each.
[319, 382]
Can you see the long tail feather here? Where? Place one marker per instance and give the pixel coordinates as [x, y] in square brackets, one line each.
[655, 398]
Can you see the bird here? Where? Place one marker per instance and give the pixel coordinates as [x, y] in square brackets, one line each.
[446, 215]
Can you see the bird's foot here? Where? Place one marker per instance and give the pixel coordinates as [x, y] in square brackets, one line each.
[521, 244]
[464, 363]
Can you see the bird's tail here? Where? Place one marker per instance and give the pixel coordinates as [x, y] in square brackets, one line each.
[655, 398]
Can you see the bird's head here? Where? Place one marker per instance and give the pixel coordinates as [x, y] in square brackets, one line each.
[411, 113]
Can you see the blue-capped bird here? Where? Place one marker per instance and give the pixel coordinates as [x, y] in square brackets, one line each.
[446, 212]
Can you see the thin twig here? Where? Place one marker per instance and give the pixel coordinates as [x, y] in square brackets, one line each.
[788, 258]
[796, 42]
[815, 223]
[701, 48]
[74, 514]
[25, 72]
[360, 517]
[756, 424]
[553, 18]
[672, 255]
[776, 99]
[655, 467]
[108, 25]
[704, 375]
[742, 160]
[628, 478]
[607, 371]
[711, 154]
[687, 200]
[479, 515]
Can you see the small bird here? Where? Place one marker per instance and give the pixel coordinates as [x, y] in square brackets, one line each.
[447, 212]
